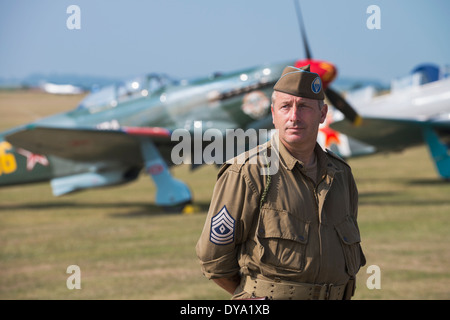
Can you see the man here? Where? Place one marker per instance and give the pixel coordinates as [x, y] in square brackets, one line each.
[291, 233]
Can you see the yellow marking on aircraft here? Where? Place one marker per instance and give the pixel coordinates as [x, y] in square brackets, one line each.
[8, 162]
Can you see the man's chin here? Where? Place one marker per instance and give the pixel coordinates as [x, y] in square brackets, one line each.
[293, 139]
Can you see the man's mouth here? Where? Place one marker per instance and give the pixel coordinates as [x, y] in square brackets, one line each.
[294, 128]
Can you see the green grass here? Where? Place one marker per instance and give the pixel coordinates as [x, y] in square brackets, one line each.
[127, 248]
[404, 221]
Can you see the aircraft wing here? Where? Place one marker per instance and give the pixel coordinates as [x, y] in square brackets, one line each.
[385, 134]
[86, 145]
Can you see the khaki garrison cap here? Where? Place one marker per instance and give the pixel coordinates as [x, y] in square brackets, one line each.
[300, 82]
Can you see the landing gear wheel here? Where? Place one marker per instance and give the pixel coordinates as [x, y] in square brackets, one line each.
[178, 208]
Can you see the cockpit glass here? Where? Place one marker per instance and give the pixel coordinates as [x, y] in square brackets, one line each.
[99, 98]
[112, 95]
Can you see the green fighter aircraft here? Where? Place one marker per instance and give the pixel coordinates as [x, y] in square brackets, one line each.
[117, 131]
[121, 129]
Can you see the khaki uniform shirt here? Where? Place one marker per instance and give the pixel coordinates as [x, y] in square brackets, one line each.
[304, 232]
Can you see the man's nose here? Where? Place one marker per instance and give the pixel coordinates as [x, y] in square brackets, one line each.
[294, 115]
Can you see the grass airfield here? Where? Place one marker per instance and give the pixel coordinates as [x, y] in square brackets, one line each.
[127, 248]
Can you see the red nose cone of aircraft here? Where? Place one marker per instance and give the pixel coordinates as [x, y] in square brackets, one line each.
[324, 69]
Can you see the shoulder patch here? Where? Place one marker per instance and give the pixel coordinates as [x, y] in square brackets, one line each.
[222, 228]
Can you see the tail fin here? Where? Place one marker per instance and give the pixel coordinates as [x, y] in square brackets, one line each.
[439, 151]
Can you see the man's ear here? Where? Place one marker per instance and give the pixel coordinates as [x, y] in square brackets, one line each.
[271, 109]
[324, 112]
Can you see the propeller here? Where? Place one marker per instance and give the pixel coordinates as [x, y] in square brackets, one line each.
[342, 105]
[302, 30]
[333, 96]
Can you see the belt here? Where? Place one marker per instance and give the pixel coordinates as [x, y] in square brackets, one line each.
[285, 290]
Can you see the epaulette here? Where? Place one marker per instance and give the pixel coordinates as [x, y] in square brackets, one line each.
[335, 156]
[239, 161]
[222, 169]
[234, 164]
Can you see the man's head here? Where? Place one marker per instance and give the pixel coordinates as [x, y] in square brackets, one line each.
[298, 108]
[300, 82]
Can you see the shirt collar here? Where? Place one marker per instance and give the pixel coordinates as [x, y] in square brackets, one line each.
[289, 161]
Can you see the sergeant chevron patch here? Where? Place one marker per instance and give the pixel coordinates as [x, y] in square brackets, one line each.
[222, 228]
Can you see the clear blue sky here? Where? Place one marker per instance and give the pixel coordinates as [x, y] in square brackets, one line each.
[184, 38]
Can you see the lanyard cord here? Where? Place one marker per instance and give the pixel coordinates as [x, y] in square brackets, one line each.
[268, 180]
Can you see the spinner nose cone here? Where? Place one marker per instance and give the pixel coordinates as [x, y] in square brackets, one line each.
[326, 70]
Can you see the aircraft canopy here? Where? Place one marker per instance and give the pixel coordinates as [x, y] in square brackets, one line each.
[111, 96]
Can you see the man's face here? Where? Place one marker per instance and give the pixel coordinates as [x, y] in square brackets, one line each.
[297, 119]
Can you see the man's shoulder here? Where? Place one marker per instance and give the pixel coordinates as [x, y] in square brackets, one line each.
[248, 161]
[336, 158]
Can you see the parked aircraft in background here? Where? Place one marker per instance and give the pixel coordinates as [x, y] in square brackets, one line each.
[117, 131]
[120, 129]
[415, 111]
[54, 88]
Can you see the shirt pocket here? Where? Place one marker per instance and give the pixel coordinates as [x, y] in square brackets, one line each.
[350, 241]
[282, 240]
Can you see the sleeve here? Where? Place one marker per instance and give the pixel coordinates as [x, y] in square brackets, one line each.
[354, 196]
[354, 212]
[233, 205]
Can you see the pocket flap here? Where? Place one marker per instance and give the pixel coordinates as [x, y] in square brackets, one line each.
[280, 224]
[348, 232]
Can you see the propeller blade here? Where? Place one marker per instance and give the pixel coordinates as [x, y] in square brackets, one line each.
[302, 30]
[339, 102]
[335, 98]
